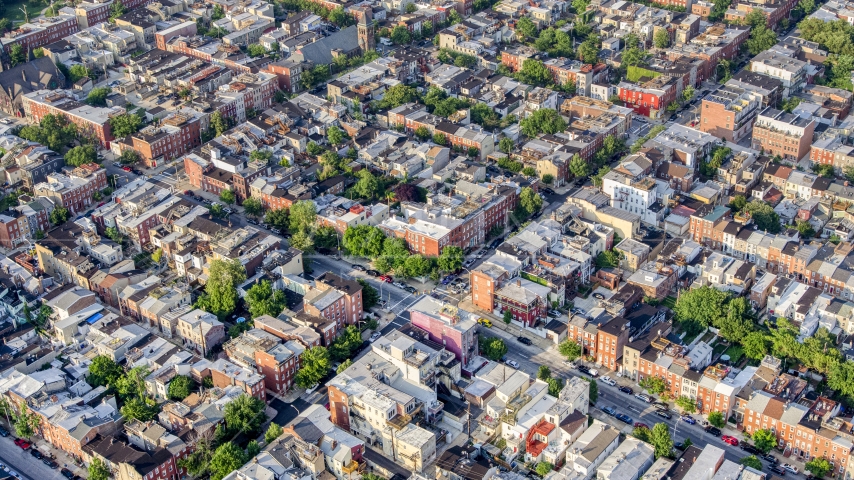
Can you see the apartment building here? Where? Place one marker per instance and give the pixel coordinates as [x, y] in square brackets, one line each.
[632, 190]
[226, 374]
[729, 113]
[649, 99]
[199, 330]
[341, 213]
[783, 134]
[173, 136]
[265, 353]
[74, 191]
[40, 31]
[336, 299]
[91, 121]
[791, 71]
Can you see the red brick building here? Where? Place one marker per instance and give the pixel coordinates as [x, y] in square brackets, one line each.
[91, 121]
[41, 31]
[527, 301]
[226, 374]
[341, 300]
[74, 191]
[175, 135]
[288, 73]
[265, 353]
[649, 99]
[610, 340]
[91, 14]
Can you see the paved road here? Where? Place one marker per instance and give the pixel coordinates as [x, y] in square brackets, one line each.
[25, 464]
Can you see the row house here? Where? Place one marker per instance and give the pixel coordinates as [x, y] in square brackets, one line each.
[92, 121]
[649, 99]
[41, 31]
[783, 134]
[74, 191]
[265, 353]
[338, 299]
[90, 14]
[176, 134]
[526, 301]
[226, 374]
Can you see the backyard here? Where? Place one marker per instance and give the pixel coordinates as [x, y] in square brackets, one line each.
[16, 15]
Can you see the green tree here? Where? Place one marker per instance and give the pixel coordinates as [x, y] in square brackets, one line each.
[752, 462]
[529, 201]
[594, 391]
[252, 449]
[17, 54]
[544, 120]
[440, 139]
[641, 433]
[763, 216]
[579, 167]
[302, 216]
[98, 96]
[570, 350]
[398, 95]
[98, 470]
[59, 215]
[77, 72]
[124, 125]
[543, 468]
[818, 466]
[529, 172]
[368, 186]
[218, 123]
[370, 296]
[274, 431]
[141, 409]
[484, 116]
[597, 179]
[661, 39]
[81, 155]
[805, 229]
[256, 50]
[761, 38]
[535, 72]
[654, 385]
[525, 28]
[53, 131]
[179, 388]
[335, 135]
[252, 206]
[548, 178]
[755, 345]
[363, 241]
[633, 56]
[220, 297]
[493, 347]
[544, 373]
[451, 259]
[588, 52]
[738, 202]
[103, 371]
[117, 9]
[245, 414]
[344, 366]
[704, 305]
[687, 404]
[661, 440]
[400, 35]
[303, 240]
[129, 157]
[717, 419]
[508, 316]
[263, 300]
[414, 266]
[227, 458]
[422, 133]
[227, 197]
[315, 365]
[507, 145]
[764, 440]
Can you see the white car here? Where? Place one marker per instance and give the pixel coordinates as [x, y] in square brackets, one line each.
[644, 397]
[790, 468]
[608, 381]
[512, 363]
[375, 336]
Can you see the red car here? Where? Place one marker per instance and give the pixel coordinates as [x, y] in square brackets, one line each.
[22, 443]
[730, 440]
[127, 169]
[640, 425]
[385, 278]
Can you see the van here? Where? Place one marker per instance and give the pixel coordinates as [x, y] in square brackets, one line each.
[485, 322]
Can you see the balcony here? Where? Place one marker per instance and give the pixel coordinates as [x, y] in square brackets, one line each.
[399, 421]
[354, 467]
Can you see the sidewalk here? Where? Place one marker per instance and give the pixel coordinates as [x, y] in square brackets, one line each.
[510, 328]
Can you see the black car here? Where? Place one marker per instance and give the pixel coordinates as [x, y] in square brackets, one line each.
[524, 341]
[584, 369]
[548, 191]
[770, 459]
[778, 470]
[715, 431]
[495, 243]
[4, 432]
[663, 414]
[373, 273]
[679, 446]
[36, 453]
[627, 390]
[748, 448]
[66, 473]
[50, 463]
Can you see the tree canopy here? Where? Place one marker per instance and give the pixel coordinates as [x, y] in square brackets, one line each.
[220, 297]
[81, 155]
[544, 120]
[493, 348]
[315, 365]
[53, 131]
[245, 414]
[263, 300]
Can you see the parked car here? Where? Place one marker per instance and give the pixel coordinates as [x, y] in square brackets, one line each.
[770, 459]
[22, 443]
[584, 369]
[661, 405]
[373, 273]
[447, 280]
[524, 341]
[789, 468]
[359, 268]
[127, 169]
[608, 381]
[688, 419]
[386, 278]
[555, 313]
[627, 390]
[39, 455]
[730, 440]
[609, 410]
[117, 164]
[714, 431]
[599, 296]
[66, 473]
[512, 363]
[641, 425]
[642, 396]
[748, 448]
[663, 414]
[4, 432]
[623, 418]
[776, 469]
[679, 446]
[485, 322]
[50, 463]
[375, 336]
[399, 284]
[410, 289]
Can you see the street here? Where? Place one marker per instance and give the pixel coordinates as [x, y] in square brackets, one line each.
[25, 464]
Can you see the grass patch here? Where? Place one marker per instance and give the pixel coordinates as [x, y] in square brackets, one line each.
[16, 16]
[143, 260]
[669, 302]
[735, 352]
